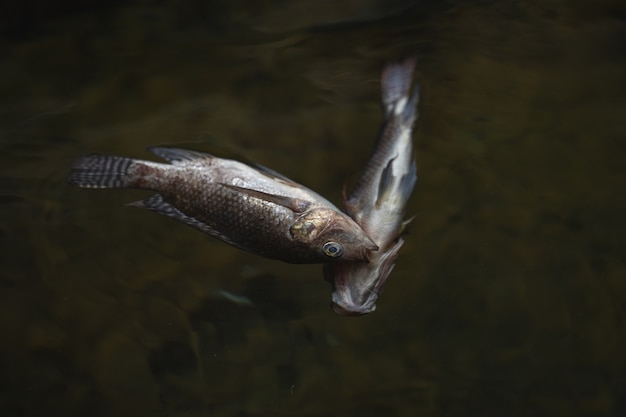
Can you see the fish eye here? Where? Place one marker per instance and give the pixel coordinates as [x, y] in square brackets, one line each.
[332, 249]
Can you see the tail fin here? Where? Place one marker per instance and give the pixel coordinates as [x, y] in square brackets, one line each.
[396, 87]
[101, 171]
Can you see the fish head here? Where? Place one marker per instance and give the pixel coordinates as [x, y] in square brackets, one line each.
[334, 235]
[356, 286]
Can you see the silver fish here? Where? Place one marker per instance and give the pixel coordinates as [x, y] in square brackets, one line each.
[379, 198]
[251, 208]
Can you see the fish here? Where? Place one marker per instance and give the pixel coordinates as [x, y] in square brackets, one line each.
[248, 206]
[378, 200]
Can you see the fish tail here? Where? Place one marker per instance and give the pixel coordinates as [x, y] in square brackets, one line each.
[396, 89]
[102, 171]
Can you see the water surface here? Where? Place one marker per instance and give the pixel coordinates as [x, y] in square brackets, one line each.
[508, 296]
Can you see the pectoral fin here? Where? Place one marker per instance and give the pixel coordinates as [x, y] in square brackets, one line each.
[401, 188]
[294, 204]
[385, 182]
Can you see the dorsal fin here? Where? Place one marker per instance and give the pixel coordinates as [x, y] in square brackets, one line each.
[270, 172]
[177, 155]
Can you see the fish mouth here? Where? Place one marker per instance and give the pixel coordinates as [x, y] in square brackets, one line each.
[350, 309]
[371, 245]
[356, 286]
[365, 255]
[368, 250]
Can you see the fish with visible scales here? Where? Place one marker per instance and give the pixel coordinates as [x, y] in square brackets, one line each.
[378, 200]
[249, 207]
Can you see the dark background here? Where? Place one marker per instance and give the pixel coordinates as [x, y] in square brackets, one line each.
[509, 295]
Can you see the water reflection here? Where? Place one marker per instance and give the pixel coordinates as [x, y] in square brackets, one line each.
[508, 295]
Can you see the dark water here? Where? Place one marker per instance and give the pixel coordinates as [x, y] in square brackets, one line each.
[508, 298]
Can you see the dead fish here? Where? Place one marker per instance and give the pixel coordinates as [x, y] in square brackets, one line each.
[251, 208]
[379, 198]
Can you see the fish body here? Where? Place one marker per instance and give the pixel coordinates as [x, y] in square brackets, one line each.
[251, 208]
[378, 200]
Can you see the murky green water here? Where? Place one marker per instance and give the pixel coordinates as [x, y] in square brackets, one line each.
[508, 297]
